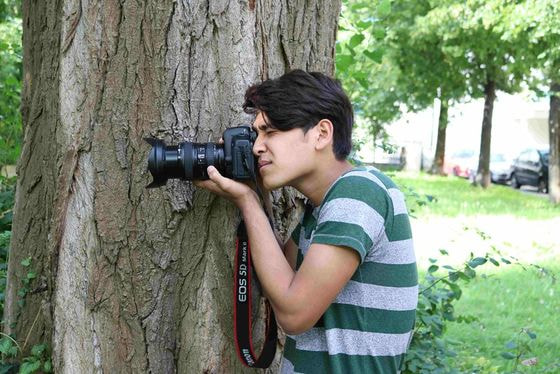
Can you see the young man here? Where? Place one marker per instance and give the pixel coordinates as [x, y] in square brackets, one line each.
[344, 287]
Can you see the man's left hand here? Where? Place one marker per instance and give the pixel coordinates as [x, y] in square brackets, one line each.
[237, 192]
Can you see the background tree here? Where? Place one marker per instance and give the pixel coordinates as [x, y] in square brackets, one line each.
[540, 21]
[112, 276]
[369, 78]
[428, 69]
[475, 31]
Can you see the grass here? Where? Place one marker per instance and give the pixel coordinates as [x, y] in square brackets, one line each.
[453, 196]
[505, 299]
[505, 303]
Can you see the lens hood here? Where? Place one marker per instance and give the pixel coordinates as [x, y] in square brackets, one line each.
[156, 162]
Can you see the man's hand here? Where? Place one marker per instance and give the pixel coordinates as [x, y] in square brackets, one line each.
[237, 192]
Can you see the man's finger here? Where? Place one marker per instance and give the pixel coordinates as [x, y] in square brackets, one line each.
[216, 177]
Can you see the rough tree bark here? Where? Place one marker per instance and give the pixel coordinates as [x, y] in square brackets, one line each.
[129, 279]
[439, 157]
[554, 140]
[483, 171]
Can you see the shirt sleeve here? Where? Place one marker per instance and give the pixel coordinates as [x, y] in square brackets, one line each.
[350, 217]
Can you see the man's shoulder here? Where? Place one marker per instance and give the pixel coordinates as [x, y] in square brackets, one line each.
[361, 182]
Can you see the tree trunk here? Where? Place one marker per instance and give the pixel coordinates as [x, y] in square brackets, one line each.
[129, 279]
[554, 139]
[483, 171]
[439, 157]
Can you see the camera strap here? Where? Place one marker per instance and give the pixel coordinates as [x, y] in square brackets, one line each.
[242, 312]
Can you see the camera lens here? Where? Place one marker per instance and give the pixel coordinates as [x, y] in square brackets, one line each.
[198, 156]
[185, 161]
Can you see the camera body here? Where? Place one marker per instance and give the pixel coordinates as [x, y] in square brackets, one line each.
[240, 162]
[189, 161]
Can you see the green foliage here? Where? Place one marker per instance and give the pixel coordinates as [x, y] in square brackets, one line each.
[513, 306]
[519, 347]
[368, 77]
[473, 34]
[39, 358]
[427, 71]
[396, 55]
[10, 9]
[10, 90]
[38, 361]
[430, 349]
[7, 191]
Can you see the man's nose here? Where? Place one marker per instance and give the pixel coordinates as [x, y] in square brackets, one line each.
[258, 146]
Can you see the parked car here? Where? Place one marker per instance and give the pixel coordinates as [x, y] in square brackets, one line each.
[461, 163]
[500, 168]
[531, 168]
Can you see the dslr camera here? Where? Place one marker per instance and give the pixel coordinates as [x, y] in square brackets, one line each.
[188, 161]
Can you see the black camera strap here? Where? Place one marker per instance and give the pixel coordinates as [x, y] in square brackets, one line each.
[242, 312]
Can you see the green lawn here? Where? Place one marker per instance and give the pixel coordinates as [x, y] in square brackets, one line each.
[506, 302]
[505, 299]
[453, 196]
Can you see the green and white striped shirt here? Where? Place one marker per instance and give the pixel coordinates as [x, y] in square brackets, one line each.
[368, 327]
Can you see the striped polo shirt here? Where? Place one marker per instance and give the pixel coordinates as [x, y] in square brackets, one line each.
[368, 327]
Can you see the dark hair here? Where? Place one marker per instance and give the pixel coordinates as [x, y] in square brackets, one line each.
[300, 100]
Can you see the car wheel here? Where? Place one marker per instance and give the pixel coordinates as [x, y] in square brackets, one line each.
[514, 182]
[543, 186]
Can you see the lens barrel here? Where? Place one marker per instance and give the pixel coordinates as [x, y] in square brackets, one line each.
[187, 161]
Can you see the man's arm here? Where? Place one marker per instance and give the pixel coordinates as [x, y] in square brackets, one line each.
[298, 299]
[290, 252]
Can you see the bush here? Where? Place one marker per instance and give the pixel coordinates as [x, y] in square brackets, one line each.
[7, 189]
[10, 90]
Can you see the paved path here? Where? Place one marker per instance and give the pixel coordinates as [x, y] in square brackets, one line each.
[532, 241]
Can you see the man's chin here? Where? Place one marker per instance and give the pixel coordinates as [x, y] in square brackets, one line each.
[270, 185]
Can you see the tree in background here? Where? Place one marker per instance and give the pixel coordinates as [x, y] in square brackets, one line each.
[428, 69]
[540, 21]
[361, 64]
[126, 279]
[476, 32]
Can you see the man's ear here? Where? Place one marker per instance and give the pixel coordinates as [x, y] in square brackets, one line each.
[324, 134]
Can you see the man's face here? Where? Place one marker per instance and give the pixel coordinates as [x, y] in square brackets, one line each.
[285, 157]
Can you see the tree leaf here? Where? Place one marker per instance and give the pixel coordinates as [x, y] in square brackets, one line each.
[355, 40]
[477, 262]
[508, 355]
[384, 8]
[343, 62]
[376, 55]
[531, 334]
[26, 262]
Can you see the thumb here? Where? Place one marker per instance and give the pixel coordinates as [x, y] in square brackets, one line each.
[215, 176]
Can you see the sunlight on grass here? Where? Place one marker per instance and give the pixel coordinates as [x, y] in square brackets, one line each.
[452, 197]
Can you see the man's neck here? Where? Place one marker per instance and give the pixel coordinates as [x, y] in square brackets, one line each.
[316, 186]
